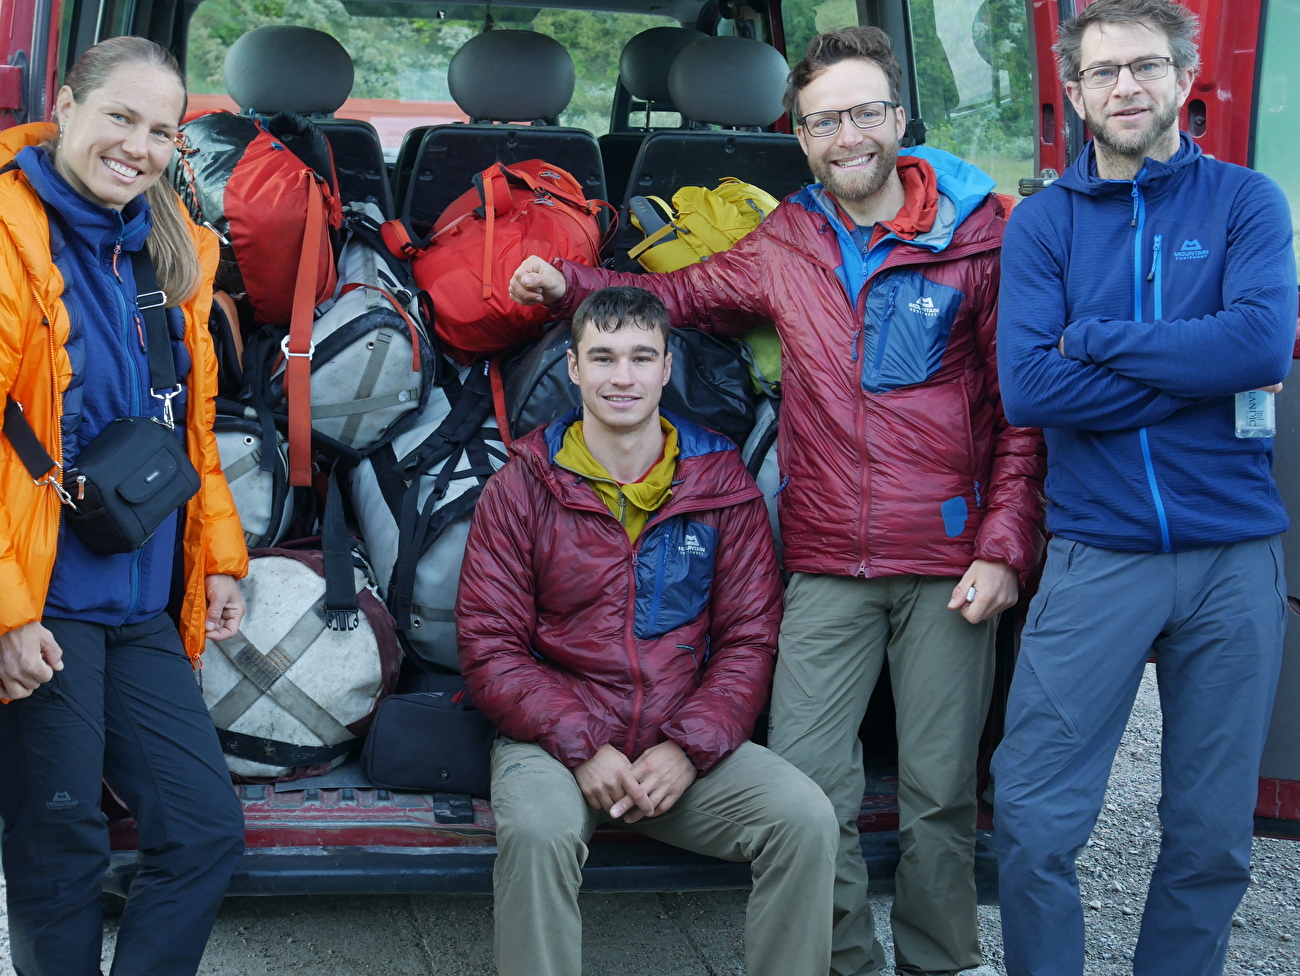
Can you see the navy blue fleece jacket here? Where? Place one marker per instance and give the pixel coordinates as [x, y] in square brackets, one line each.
[1174, 291]
[92, 247]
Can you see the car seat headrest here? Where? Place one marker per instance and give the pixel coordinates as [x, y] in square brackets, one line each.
[511, 76]
[288, 69]
[643, 66]
[729, 81]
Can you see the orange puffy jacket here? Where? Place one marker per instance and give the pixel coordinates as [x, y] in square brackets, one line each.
[35, 370]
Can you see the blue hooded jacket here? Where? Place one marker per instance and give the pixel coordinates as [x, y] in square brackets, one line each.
[1174, 291]
[91, 246]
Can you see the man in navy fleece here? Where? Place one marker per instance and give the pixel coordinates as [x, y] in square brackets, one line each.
[1140, 292]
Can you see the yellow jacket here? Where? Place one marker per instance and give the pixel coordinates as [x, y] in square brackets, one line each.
[35, 371]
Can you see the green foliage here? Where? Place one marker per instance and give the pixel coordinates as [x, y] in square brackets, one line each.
[407, 58]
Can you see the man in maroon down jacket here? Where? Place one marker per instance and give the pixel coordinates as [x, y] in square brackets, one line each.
[617, 620]
[901, 474]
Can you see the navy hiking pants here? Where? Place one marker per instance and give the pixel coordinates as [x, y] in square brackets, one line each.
[126, 708]
[1215, 619]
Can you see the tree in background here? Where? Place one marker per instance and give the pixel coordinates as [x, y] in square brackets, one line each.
[406, 58]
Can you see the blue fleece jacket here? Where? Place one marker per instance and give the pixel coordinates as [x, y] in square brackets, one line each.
[91, 246]
[1174, 291]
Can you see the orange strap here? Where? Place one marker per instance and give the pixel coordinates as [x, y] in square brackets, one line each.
[415, 332]
[299, 347]
[499, 401]
[489, 207]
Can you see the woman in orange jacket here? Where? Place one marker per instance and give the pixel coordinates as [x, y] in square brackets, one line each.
[101, 682]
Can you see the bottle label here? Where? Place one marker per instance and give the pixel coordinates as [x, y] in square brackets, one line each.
[1256, 415]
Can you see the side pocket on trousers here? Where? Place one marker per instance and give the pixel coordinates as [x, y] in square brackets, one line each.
[1059, 562]
[1053, 699]
[796, 675]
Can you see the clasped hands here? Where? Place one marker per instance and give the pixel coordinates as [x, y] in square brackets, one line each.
[632, 790]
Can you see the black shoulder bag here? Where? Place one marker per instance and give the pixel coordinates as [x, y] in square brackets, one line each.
[135, 473]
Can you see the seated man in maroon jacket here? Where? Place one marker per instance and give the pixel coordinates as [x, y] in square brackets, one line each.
[617, 621]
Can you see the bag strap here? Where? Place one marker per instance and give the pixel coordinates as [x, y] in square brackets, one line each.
[25, 443]
[341, 613]
[151, 301]
[298, 346]
[416, 331]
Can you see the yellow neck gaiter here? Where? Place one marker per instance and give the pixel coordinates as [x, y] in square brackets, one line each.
[632, 504]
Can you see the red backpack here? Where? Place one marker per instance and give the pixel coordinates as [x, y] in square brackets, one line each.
[267, 187]
[466, 264]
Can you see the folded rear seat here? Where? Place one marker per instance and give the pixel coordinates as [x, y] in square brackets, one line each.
[733, 82]
[513, 84]
[643, 72]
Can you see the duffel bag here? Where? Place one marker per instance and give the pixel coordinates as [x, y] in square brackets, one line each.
[466, 263]
[430, 741]
[760, 458]
[258, 475]
[293, 692]
[413, 499]
[371, 361]
[710, 383]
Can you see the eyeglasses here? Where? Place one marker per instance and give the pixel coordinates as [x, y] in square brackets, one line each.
[1107, 75]
[868, 115]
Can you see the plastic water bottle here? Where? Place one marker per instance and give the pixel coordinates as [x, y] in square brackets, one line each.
[1256, 414]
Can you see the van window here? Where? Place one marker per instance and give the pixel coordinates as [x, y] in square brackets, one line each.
[804, 19]
[976, 91]
[1277, 110]
[401, 48]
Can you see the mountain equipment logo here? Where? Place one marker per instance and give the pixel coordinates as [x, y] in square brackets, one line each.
[61, 801]
[692, 546]
[1191, 251]
[924, 306]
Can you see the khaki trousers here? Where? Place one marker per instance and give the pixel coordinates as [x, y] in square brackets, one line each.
[753, 806]
[835, 635]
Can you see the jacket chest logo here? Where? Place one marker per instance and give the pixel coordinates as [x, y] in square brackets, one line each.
[691, 546]
[924, 306]
[1191, 250]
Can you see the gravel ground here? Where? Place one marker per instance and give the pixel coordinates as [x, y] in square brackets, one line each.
[701, 934]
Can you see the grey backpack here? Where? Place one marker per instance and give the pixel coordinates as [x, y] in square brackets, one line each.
[371, 358]
[759, 455]
[413, 499]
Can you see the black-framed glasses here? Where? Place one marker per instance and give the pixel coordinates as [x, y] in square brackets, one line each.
[1107, 75]
[868, 115]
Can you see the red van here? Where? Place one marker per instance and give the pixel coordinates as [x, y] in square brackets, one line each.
[978, 80]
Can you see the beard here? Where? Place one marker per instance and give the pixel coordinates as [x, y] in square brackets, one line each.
[1133, 144]
[855, 186]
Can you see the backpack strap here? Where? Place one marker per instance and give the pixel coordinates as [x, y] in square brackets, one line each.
[298, 345]
[341, 611]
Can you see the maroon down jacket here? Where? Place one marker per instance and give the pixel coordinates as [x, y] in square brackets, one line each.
[572, 637]
[896, 453]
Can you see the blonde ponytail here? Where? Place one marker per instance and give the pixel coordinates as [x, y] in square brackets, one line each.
[175, 258]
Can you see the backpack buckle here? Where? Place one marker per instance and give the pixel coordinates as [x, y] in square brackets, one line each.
[159, 302]
[284, 348]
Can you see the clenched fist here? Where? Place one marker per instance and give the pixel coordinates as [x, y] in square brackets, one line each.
[536, 281]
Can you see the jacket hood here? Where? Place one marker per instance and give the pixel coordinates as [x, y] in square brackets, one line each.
[962, 189]
[710, 472]
[1082, 176]
[15, 140]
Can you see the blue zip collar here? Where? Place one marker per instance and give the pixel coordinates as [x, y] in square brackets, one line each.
[102, 228]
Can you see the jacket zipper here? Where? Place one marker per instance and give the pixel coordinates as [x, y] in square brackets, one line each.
[633, 657]
[1139, 222]
[860, 431]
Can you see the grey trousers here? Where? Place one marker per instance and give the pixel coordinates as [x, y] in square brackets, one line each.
[1215, 619]
[835, 635]
[753, 806]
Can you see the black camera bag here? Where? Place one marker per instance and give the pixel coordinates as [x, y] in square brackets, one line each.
[430, 741]
[135, 472]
